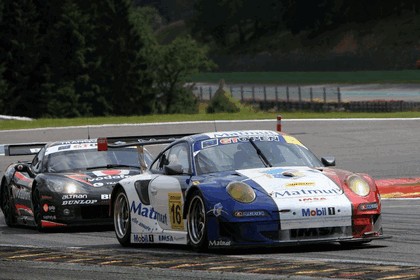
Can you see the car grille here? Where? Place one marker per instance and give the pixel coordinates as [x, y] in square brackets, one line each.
[94, 212]
[309, 233]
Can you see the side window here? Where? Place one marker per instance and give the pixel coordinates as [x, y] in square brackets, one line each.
[157, 166]
[37, 161]
[178, 154]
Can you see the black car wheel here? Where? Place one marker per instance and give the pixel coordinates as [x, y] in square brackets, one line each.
[7, 206]
[196, 223]
[122, 218]
[36, 203]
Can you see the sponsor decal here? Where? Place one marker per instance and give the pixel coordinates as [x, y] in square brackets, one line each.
[217, 210]
[46, 197]
[292, 140]
[231, 140]
[140, 224]
[105, 196]
[312, 199]
[23, 194]
[175, 210]
[166, 238]
[213, 243]
[143, 238]
[78, 141]
[74, 196]
[299, 184]
[149, 213]
[250, 213]
[303, 192]
[64, 147]
[245, 133]
[80, 202]
[208, 143]
[49, 217]
[324, 211]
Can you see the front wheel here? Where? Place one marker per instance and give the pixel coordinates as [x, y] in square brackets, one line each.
[197, 223]
[7, 206]
[122, 218]
[36, 204]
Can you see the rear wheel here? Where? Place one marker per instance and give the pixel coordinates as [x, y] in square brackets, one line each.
[197, 223]
[7, 206]
[122, 218]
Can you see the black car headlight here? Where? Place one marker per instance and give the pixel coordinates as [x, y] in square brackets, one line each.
[64, 186]
[241, 192]
[358, 185]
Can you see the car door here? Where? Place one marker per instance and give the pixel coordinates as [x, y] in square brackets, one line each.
[167, 190]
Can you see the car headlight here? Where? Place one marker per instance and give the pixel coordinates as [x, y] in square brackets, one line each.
[64, 186]
[358, 185]
[241, 192]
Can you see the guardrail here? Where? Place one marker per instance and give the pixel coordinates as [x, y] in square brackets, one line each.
[288, 98]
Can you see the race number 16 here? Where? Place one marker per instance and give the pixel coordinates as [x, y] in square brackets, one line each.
[175, 208]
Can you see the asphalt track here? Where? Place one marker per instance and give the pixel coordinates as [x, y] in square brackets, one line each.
[383, 148]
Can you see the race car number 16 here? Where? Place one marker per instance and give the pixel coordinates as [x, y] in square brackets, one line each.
[175, 208]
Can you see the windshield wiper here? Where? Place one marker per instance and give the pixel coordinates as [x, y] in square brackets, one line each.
[260, 154]
[108, 166]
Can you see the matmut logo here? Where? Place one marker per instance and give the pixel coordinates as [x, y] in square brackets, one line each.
[324, 211]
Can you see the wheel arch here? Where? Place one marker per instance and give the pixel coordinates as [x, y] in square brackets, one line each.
[188, 196]
[116, 188]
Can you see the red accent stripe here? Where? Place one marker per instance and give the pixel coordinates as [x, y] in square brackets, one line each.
[399, 187]
[48, 224]
[22, 177]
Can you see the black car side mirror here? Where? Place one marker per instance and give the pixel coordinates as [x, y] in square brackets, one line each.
[328, 161]
[21, 167]
[174, 169]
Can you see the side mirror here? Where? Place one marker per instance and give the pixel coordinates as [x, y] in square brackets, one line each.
[174, 169]
[328, 161]
[21, 167]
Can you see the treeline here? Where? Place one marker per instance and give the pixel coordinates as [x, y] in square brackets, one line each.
[75, 58]
[231, 24]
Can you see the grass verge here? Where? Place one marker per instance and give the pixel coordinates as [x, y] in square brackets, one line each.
[245, 114]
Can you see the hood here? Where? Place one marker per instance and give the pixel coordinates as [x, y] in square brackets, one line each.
[305, 197]
[293, 182]
[101, 178]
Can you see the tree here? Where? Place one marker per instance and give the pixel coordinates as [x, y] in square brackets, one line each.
[174, 64]
[19, 54]
[123, 74]
[65, 69]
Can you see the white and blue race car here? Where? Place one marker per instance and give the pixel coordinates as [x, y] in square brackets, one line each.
[244, 188]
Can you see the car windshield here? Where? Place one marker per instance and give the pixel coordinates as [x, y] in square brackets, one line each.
[243, 155]
[92, 158]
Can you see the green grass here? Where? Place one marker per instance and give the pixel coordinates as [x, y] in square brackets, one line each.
[245, 114]
[356, 77]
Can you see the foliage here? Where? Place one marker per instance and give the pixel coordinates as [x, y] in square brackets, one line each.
[231, 24]
[222, 101]
[173, 64]
[76, 58]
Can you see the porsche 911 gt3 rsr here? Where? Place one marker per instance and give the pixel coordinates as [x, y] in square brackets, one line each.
[68, 183]
[244, 188]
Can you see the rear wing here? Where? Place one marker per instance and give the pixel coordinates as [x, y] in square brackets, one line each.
[21, 149]
[118, 142]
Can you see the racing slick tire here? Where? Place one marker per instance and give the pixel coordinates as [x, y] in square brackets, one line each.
[7, 206]
[122, 218]
[197, 223]
[36, 203]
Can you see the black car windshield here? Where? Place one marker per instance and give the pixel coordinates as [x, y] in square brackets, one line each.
[92, 158]
[243, 155]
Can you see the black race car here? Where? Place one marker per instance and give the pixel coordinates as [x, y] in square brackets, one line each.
[68, 183]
